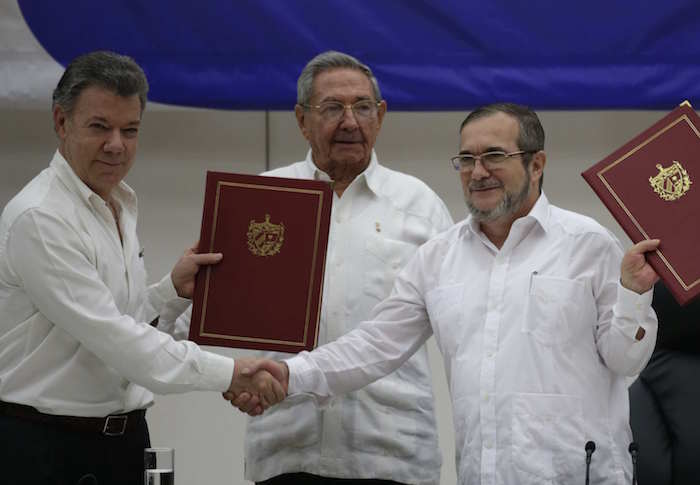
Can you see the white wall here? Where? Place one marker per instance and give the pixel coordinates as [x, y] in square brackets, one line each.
[177, 146]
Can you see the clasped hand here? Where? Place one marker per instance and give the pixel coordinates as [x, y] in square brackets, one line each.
[257, 384]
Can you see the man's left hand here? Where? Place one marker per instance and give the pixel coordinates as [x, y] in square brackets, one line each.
[186, 268]
[636, 274]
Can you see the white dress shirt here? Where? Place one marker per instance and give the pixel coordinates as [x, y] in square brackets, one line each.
[74, 306]
[537, 339]
[386, 430]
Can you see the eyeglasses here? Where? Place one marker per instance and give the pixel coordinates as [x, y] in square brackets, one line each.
[333, 110]
[489, 160]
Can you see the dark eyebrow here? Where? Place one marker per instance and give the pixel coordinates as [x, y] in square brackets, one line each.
[106, 122]
[489, 149]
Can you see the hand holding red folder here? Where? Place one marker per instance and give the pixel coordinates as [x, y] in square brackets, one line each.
[651, 185]
[267, 292]
[187, 267]
[636, 274]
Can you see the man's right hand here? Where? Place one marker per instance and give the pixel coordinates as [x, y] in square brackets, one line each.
[257, 384]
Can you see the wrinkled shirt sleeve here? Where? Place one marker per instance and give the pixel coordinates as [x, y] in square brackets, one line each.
[398, 327]
[62, 282]
[621, 313]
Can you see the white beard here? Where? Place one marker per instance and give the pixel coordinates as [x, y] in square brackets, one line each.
[510, 204]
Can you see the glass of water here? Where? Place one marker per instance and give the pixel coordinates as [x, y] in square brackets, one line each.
[159, 466]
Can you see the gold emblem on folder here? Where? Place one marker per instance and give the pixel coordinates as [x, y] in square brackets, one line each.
[671, 183]
[265, 238]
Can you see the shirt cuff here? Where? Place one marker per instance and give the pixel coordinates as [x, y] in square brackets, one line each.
[218, 372]
[633, 309]
[297, 366]
[304, 378]
[177, 306]
[166, 290]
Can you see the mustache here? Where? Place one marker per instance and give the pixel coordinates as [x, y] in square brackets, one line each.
[484, 184]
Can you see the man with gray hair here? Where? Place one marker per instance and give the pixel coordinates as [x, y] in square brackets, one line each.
[385, 433]
[78, 358]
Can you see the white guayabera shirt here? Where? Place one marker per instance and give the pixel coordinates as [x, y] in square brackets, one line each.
[386, 430]
[537, 339]
[74, 306]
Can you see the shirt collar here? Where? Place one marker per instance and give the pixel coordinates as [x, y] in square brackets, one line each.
[122, 193]
[370, 175]
[539, 214]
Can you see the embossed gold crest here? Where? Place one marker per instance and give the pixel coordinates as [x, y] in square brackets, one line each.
[265, 238]
[671, 183]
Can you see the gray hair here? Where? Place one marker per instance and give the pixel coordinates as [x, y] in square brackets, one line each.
[531, 133]
[113, 72]
[325, 62]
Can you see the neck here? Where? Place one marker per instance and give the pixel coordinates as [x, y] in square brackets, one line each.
[115, 213]
[341, 173]
[339, 187]
[498, 229]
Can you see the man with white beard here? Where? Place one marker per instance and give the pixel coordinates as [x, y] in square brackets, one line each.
[538, 314]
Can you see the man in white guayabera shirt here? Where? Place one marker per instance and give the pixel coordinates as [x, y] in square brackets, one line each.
[538, 315]
[386, 432]
[78, 358]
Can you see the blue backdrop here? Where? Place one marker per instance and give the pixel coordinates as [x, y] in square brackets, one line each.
[427, 55]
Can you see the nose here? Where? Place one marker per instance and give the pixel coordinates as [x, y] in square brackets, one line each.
[348, 120]
[114, 142]
[479, 171]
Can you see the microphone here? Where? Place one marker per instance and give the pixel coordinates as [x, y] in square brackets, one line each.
[634, 451]
[590, 448]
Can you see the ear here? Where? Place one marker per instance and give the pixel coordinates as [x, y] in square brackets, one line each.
[59, 121]
[539, 160]
[301, 113]
[381, 111]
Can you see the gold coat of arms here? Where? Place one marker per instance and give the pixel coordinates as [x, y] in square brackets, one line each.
[265, 238]
[671, 183]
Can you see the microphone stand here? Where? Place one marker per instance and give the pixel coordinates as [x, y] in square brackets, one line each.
[634, 451]
[590, 448]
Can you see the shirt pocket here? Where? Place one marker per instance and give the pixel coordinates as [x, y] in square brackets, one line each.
[554, 313]
[378, 429]
[445, 308]
[385, 258]
[547, 437]
[291, 424]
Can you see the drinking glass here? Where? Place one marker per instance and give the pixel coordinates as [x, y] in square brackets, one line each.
[159, 466]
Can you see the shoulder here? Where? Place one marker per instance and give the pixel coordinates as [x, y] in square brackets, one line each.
[44, 198]
[580, 227]
[406, 192]
[38, 195]
[295, 170]
[443, 241]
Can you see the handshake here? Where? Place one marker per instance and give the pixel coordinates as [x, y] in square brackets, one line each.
[257, 384]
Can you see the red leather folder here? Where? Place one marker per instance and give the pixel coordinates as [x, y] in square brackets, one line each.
[651, 185]
[266, 293]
